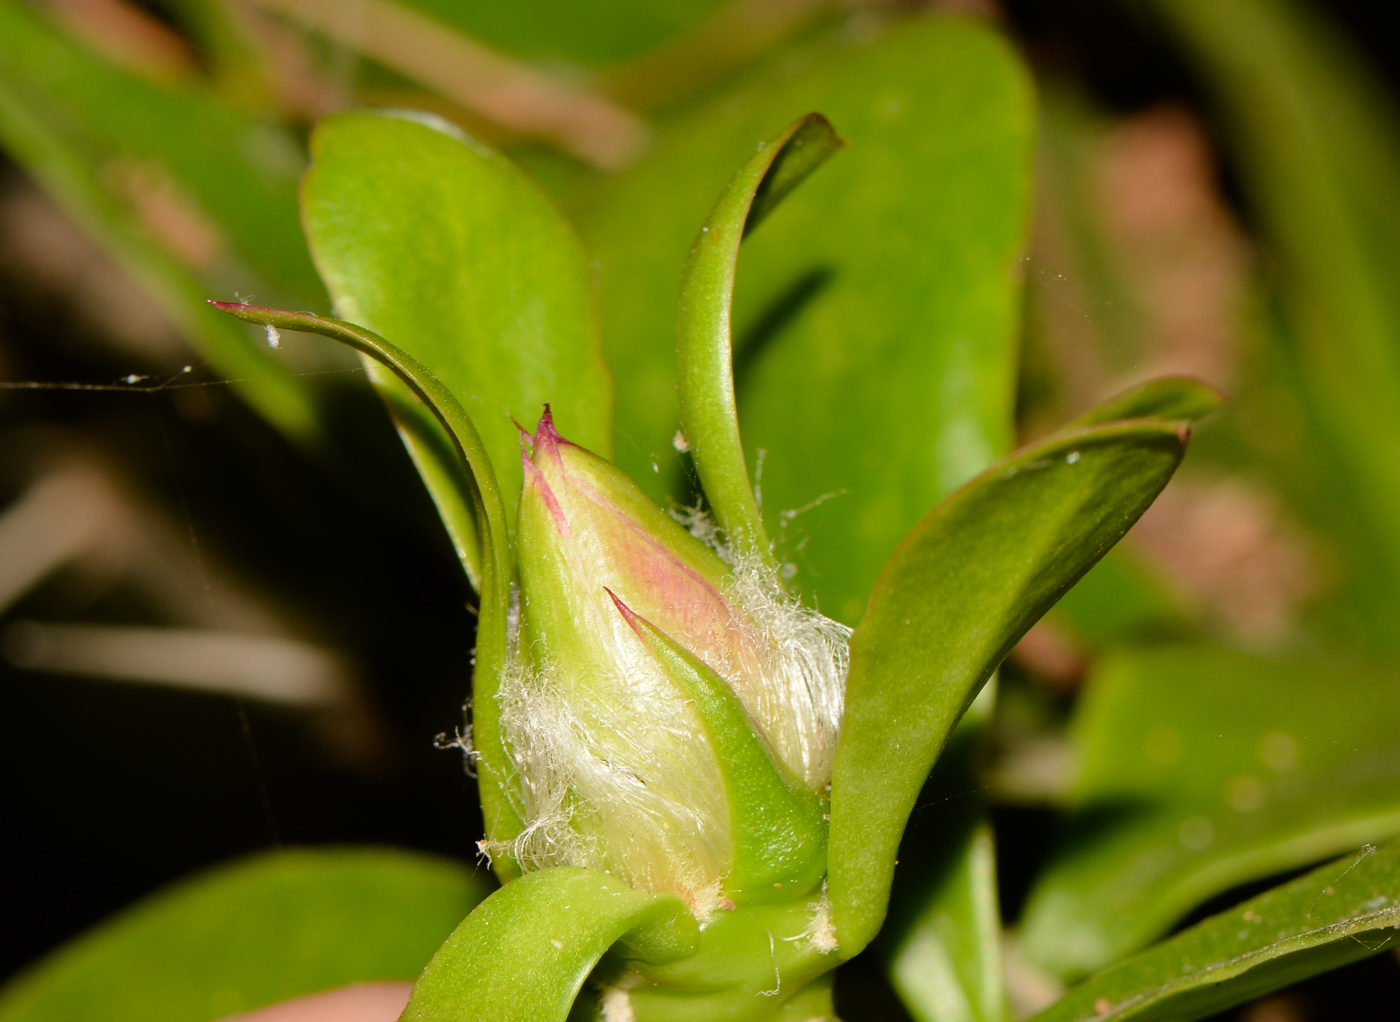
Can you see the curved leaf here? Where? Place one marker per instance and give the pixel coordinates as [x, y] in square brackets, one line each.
[424, 235]
[756, 963]
[1201, 769]
[523, 954]
[958, 593]
[874, 314]
[474, 467]
[1346, 910]
[251, 933]
[704, 352]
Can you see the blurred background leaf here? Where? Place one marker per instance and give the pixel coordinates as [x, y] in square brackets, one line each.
[1201, 769]
[252, 933]
[1339, 912]
[190, 194]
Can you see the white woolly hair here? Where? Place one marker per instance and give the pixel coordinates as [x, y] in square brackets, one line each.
[794, 683]
[615, 771]
[796, 689]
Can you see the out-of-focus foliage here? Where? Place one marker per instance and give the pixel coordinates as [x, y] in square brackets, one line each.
[252, 933]
[1202, 768]
[1342, 911]
[1264, 549]
[190, 193]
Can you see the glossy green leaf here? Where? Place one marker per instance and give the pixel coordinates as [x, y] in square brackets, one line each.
[1318, 154]
[251, 933]
[775, 821]
[524, 953]
[942, 941]
[1338, 913]
[704, 348]
[186, 193]
[1174, 398]
[1201, 769]
[427, 237]
[875, 311]
[472, 472]
[958, 593]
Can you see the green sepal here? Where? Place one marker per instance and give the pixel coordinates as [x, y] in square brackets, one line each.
[1173, 398]
[704, 348]
[958, 594]
[494, 770]
[1345, 910]
[775, 821]
[523, 954]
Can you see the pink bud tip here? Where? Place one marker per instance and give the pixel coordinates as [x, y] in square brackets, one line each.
[545, 430]
[546, 436]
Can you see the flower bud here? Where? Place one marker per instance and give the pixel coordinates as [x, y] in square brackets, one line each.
[620, 768]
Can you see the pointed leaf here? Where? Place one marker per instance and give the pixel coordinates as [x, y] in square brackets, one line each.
[250, 933]
[426, 236]
[775, 822]
[473, 473]
[874, 318]
[1343, 911]
[1202, 769]
[523, 954]
[1175, 398]
[704, 352]
[959, 592]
